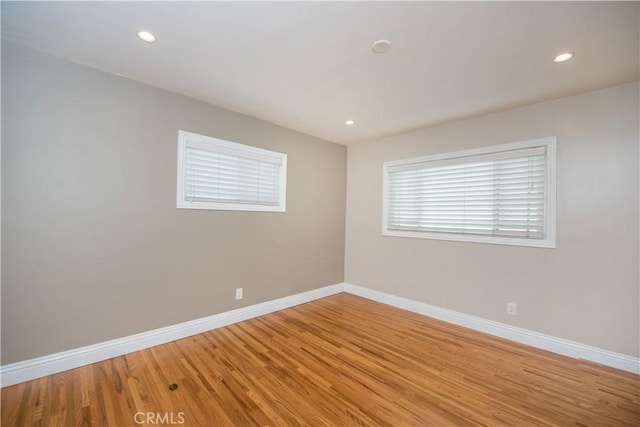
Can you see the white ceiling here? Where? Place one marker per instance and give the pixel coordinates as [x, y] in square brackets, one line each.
[308, 66]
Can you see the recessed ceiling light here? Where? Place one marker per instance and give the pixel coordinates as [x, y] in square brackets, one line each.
[565, 56]
[381, 46]
[349, 122]
[146, 36]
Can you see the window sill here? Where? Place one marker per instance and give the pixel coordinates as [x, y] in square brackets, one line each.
[542, 243]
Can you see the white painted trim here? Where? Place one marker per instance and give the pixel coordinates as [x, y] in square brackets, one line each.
[47, 365]
[534, 339]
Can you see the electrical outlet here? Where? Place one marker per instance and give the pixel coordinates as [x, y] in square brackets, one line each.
[511, 308]
[238, 293]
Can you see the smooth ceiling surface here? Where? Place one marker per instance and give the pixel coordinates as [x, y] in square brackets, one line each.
[308, 65]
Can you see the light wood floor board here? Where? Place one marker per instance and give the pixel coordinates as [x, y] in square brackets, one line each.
[338, 361]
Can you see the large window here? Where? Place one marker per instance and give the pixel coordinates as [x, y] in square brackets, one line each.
[218, 174]
[502, 194]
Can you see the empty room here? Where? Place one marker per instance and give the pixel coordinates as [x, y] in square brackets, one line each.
[320, 213]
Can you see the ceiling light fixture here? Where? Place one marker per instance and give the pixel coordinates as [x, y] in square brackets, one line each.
[381, 46]
[565, 56]
[146, 36]
[349, 122]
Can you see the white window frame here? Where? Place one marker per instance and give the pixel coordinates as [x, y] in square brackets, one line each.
[186, 139]
[549, 240]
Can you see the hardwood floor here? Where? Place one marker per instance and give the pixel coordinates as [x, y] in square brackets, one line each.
[338, 361]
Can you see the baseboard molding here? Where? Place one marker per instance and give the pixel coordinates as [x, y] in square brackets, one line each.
[513, 333]
[47, 365]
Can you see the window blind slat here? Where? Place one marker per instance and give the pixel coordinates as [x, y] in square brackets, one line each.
[471, 170]
[497, 194]
[218, 171]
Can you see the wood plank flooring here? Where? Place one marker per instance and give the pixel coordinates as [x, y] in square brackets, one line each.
[338, 361]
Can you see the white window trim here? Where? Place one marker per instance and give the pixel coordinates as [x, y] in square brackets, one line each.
[230, 147]
[549, 241]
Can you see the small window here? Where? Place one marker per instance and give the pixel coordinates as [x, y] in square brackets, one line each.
[218, 174]
[503, 194]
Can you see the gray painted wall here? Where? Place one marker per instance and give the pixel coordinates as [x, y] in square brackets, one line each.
[586, 290]
[93, 247]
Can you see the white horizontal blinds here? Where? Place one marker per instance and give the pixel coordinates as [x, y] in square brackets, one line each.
[224, 176]
[498, 194]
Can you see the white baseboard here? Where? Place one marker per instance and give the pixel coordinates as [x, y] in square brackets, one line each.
[47, 365]
[513, 333]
